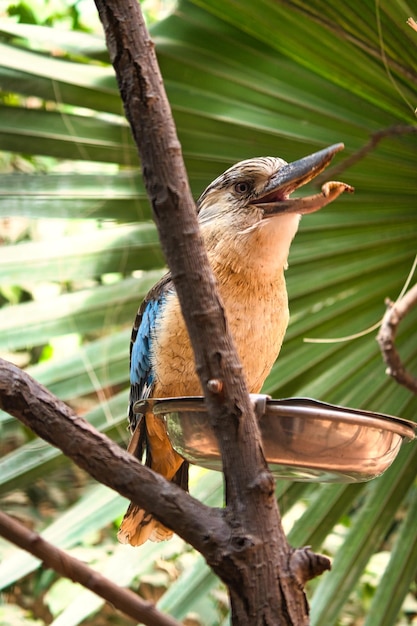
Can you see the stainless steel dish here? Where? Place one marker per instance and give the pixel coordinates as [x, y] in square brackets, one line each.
[304, 440]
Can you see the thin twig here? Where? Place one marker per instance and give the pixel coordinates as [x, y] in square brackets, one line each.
[386, 338]
[66, 565]
[371, 144]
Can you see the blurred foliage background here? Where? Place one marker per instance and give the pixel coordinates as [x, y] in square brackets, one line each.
[79, 252]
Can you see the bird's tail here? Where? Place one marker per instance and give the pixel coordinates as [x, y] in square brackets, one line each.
[138, 526]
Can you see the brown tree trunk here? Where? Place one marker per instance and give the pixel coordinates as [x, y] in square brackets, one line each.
[259, 565]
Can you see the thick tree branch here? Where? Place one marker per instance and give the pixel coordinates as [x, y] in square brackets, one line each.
[66, 565]
[259, 577]
[50, 418]
[396, 311]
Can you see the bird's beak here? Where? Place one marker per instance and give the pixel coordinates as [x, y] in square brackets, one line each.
[274, 198]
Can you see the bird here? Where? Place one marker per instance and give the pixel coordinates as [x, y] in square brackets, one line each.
[248, 221]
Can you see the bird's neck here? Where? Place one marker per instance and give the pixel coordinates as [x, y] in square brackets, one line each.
[255, 254]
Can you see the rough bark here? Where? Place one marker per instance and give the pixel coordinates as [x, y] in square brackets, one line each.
[54, 421]
[257, 572]
[396, 311]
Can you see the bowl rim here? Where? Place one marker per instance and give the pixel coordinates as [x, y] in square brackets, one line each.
[297, 407]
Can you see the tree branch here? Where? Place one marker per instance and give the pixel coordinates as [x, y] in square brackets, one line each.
[66, 565]
[50, 418]
[258, 575]
[396, 311]
[371, 144]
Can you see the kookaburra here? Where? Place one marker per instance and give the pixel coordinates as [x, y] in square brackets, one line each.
[248, 221]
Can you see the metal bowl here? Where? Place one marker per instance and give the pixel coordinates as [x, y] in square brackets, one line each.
[304, 440]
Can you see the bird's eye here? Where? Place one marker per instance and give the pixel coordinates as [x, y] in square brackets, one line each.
[242, 187]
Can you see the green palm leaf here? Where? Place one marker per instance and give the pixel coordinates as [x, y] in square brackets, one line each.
[280, 78]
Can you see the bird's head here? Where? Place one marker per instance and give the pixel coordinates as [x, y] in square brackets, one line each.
[247, 216]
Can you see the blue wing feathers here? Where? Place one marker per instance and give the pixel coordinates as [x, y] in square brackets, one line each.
[141, 372]
[142, 375]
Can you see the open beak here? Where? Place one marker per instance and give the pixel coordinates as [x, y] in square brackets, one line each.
[274, 198]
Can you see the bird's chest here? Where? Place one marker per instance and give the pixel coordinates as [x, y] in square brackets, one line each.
[257, 315]
[258, 323]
